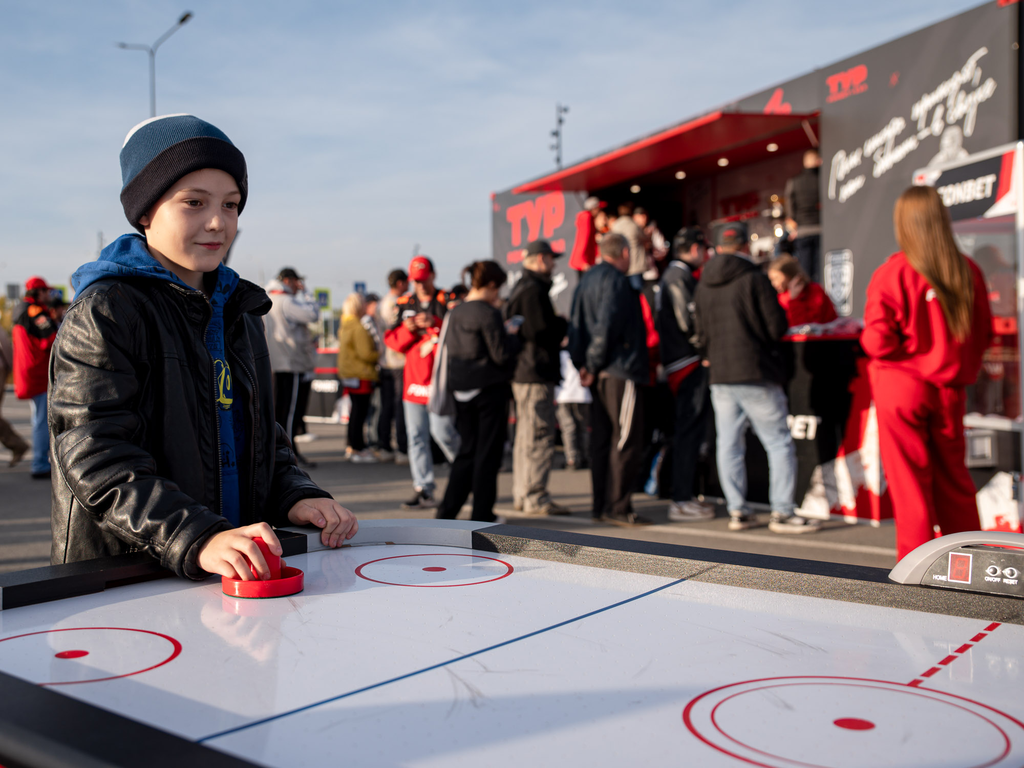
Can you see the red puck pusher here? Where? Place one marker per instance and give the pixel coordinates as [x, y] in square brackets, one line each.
[283, 580]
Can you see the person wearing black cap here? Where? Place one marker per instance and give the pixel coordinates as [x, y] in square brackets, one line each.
[687, 378]
[161, 393]
[292, 351]
[738, 325]
[538, 371]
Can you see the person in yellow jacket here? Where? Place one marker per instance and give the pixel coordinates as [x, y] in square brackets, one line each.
[357, 368]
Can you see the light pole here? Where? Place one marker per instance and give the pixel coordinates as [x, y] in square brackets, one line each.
[560, 112]
[151, 50]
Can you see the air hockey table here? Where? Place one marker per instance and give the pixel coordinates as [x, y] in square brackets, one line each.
[449, 643]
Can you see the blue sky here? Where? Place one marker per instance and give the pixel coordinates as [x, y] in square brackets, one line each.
[371, 127]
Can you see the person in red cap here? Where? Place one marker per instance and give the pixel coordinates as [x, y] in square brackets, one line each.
[32, 334]
[927, 323]
[10, 439]
[415, 335]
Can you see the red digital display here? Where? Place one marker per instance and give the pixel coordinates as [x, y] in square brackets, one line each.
[959, 567]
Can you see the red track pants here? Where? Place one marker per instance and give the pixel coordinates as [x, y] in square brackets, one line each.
[921, 439]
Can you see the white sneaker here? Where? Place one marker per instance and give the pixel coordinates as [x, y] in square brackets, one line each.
[689, 511]
[383, 455]
[305, 437]
[363, 457]
[401, 459]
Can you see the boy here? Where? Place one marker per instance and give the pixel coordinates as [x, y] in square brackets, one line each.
[161, 399]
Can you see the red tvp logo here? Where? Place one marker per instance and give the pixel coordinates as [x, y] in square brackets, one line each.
[544, 214]
[849, 83]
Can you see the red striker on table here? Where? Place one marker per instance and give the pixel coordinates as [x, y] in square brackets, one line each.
[284, 580]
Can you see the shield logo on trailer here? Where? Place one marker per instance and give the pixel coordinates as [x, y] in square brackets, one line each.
[839, 280]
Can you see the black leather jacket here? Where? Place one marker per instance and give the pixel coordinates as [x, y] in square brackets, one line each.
[133, 427]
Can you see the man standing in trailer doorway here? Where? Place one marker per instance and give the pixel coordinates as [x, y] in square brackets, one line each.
[803, 214]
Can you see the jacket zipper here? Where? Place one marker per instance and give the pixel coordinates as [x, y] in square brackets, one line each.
[216, 423]
[254, 412]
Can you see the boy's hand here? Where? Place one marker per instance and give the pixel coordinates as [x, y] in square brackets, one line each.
[225, 553]
[338, 523]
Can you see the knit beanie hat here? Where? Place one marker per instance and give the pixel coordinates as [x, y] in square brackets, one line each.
[159, 151]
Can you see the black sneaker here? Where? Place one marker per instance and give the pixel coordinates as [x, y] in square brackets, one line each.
[420, 500]
[740, 521]
[627, 520]
[781, 523]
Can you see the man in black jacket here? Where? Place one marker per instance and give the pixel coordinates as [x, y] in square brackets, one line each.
[687, 378]
[803, 214]
[608, 345]
[533, 385]
[739, 324]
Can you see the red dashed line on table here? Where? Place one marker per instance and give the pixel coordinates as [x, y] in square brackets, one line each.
[955, 654]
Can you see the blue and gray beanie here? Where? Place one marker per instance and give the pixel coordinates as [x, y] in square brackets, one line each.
[159, 151]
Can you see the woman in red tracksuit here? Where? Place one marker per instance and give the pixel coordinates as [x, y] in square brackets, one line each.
[927, 323]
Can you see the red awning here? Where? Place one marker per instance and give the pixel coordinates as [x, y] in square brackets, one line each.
[712, 134]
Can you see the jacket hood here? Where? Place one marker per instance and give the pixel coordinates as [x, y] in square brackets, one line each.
[529, 274]
[128, 257]
[724, 268]
[276, 286]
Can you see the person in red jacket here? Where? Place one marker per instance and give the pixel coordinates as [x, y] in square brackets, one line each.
[415, 335]
[803, 301]
[927, 323]
[32, 334]
[584, 247]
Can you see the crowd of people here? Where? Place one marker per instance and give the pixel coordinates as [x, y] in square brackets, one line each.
[705, 326]
[121, 397]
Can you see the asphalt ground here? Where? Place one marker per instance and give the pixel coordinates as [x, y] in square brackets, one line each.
[376, 491]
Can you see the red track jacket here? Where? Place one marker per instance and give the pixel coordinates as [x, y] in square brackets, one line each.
[904, 327]
[812, 305]
[418, 347]
[32, 334]
[584, 247]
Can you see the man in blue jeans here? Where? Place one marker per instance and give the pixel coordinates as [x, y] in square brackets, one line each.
[33, 332]
[738, 325]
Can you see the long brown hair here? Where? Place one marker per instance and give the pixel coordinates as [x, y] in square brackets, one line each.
[926, 237]
[484, 273]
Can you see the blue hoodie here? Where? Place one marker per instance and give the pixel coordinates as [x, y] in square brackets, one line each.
[128, 257]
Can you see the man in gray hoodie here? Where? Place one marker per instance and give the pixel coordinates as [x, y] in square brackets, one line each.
[292, 350]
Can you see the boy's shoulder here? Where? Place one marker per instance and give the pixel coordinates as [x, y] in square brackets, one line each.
[116, 291]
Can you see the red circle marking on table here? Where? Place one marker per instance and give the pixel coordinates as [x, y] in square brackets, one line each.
[175, 645]
[71, 654]
[508, 571]
[436, 569]
[810, 680]
[854, 724]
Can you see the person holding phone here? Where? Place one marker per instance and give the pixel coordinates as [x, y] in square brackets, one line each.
[416, 336]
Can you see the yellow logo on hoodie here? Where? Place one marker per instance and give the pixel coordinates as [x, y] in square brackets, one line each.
[224, 390]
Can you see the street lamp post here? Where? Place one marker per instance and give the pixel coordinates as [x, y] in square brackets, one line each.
[151, 50]
[560, 112]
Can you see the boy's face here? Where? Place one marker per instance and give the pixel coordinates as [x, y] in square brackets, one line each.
[191, 227]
